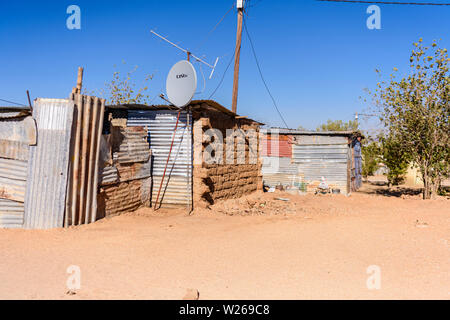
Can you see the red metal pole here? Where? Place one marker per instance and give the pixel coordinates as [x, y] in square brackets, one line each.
[168, 158]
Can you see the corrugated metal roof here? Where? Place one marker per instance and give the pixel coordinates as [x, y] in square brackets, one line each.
[14, 112]
[306, 133]
[194, 105]
[48, 165]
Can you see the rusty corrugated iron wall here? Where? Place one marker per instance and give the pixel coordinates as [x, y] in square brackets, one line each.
[281, 147]
[81, 204]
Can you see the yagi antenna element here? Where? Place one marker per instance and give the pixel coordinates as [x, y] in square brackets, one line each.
[189, 54]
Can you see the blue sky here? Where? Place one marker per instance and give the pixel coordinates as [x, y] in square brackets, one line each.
[317, 57]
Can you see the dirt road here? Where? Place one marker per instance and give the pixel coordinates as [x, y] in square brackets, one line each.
[312, 247]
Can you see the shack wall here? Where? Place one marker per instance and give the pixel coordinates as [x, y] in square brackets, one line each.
[220, 179]
[14, 155]
[313, 157]
[175, 190]
[125, 167]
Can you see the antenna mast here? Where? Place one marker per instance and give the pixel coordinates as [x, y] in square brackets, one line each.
[189, 54]
[237, 58]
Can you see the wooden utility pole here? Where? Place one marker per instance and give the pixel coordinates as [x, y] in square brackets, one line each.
[237, 58]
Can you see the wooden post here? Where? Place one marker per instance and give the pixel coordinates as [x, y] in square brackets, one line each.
[92, 161]
[75, 190]
[237, 57]
[87, 112]
[97, 158]
[79, 86]
[29, 101]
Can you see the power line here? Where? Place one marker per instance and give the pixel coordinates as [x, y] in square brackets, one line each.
[215, 27]
[223, 76]
[260, 73]
[15, 103]
[390, 2]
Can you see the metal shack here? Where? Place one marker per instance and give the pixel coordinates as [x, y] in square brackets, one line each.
[303, 158]
[17, 134]
[182, 174]
[72, 161]
[48, 163]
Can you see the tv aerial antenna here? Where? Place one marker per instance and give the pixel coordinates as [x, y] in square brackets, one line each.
[189, 54]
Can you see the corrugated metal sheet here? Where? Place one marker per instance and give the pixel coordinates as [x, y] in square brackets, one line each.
[134, 146]
[320, 139]
[123, 173]
[279, 170]
[296, 132]
[328, 161]
[177, 187]
[13, 179]
[131, 156]
[313, 157]
[18, 129]
[84, 167]
[108, 175]
[17, 132]
[13, 182]
[14, 150]
[9, 112]
[11, 214]
[135, 171]
[48, 164]
[271, 149]
[16, 135]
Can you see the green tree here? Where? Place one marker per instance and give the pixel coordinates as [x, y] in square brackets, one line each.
[338, 125]
[415, 111]
[396, 158]
[371, 154]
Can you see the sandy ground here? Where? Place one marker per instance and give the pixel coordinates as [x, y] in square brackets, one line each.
[311, 247]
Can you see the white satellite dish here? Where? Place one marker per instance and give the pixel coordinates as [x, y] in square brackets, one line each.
[181, 83]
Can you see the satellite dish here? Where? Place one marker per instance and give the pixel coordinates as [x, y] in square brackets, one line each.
[181, 83]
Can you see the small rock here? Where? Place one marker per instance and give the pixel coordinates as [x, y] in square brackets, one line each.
[192, 294]
[421, 224]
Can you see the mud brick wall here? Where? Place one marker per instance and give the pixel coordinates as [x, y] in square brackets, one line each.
[220, 181]
[120, 198]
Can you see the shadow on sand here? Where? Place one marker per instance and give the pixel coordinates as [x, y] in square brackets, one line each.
[382, 188]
